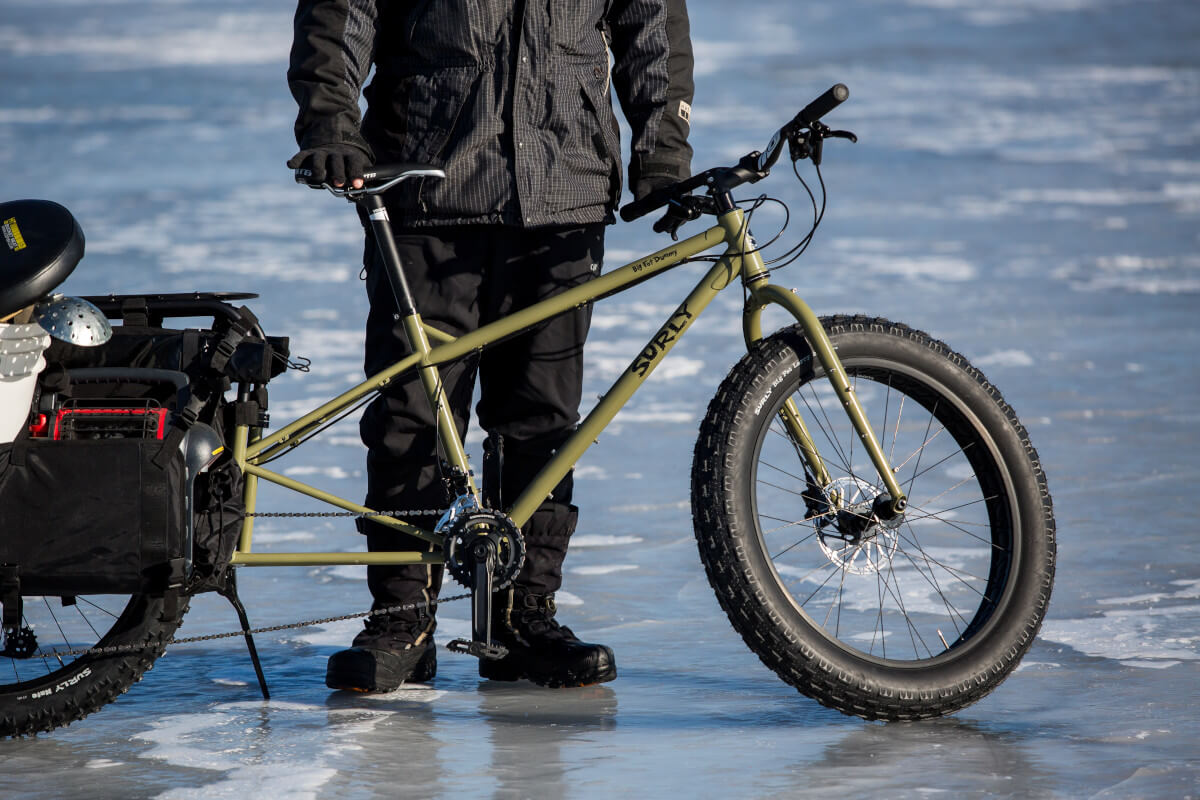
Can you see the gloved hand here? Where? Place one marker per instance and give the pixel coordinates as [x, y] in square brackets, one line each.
[644, 185]
[335, 164]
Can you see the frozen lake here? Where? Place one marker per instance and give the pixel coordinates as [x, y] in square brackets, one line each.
[1026, 187]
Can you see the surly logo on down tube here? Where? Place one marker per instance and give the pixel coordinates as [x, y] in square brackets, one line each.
[658, 345]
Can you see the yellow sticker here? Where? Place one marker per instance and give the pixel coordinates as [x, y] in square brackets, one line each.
[12, 235]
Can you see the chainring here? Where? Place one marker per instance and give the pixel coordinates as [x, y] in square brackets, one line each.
[465, 531]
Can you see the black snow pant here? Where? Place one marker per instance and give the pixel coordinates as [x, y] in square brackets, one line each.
[530, 386]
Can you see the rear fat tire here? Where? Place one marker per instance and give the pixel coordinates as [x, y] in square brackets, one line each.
[39, 698]
[912, 656]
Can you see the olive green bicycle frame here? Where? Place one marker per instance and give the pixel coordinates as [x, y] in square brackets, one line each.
[741, 258]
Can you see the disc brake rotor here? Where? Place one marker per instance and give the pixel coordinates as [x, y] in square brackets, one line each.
[855, 539]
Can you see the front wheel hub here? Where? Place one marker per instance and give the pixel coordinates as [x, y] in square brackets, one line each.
[856, 538]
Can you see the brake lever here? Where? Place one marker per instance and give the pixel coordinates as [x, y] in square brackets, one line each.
[810, 143]
[682, 210]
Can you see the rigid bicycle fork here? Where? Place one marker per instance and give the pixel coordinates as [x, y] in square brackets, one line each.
[760, 294]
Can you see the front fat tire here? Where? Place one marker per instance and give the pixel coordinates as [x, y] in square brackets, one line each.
[980, 599]
[51, 698]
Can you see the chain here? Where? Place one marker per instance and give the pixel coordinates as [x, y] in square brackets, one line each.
[354, 514]
[131, 648]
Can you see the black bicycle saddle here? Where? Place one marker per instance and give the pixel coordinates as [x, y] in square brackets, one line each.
[40, 244]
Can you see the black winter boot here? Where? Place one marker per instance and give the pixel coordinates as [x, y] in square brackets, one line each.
[540, 649]
[384, 655]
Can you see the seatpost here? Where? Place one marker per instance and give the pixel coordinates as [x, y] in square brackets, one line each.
[378, 215]
[447, 431]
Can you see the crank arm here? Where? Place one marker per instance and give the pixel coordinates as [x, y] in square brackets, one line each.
[481, 608]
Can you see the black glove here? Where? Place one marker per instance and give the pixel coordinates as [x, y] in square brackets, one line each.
[335, 164]
[644, 185]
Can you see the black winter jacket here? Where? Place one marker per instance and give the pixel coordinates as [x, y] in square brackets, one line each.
[510, 97]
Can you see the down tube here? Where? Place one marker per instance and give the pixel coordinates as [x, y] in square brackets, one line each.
[717, 278]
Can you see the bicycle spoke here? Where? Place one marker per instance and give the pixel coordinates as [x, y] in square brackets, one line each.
[827, 429]
[793, 545]
[921, 449]
[87, 621]
[782, 488]
[887, 399]
[916, 453]
[836, 601]
[913, 633]
[852, 437]
[819, 588]
[931, 579]
[879, 621]
[957, 573]
[99, 608]
[784, 471]
[54, 617]
[958, 526]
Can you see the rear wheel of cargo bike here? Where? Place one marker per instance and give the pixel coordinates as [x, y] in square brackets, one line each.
[42, 687]
[908, 618]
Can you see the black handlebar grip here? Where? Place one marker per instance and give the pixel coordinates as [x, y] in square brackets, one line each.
[660, 197]
[827, 102]
[639, 208]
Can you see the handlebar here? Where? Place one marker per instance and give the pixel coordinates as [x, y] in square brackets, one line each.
[381, 178]
[660, 197]
[753, 167]
[834, 97]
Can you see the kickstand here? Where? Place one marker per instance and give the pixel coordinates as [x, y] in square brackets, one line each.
[228, 590]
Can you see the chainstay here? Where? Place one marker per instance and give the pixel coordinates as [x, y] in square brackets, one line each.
[149, 645]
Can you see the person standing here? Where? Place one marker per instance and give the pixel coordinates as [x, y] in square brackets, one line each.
[512, 100]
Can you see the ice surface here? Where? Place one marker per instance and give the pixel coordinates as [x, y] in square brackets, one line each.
[1026, 187]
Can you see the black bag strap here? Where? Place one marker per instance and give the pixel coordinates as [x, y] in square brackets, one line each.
[135, 311]
[238, 330]
[211, 379]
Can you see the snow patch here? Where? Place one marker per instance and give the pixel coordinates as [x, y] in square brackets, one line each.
[261, 537]
[562, 598]
[1005, 358]
[601, 540]
[335, 473]
[603, 569]
[1139, 637]
[593, 473]
[226, 39]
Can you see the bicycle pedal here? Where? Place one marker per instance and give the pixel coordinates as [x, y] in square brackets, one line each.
[492, 652]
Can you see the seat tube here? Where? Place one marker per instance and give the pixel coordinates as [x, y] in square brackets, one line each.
[431, 380]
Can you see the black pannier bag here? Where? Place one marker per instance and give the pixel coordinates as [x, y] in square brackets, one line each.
[86, 516]
[144, 374]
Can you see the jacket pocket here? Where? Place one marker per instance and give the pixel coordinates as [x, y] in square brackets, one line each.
[429, 106]
[591, 147]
